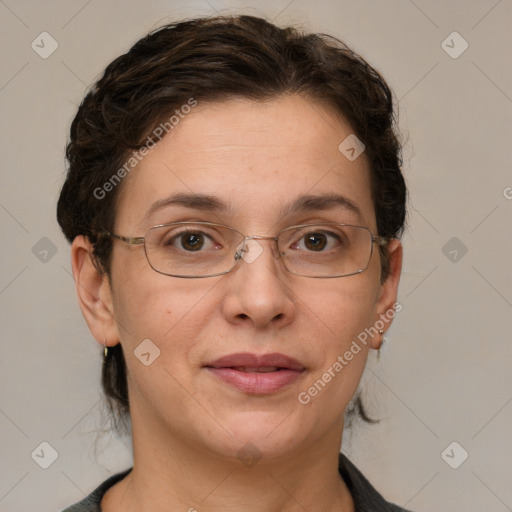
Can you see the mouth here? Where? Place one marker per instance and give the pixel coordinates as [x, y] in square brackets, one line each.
[262, 369]
[256, 374]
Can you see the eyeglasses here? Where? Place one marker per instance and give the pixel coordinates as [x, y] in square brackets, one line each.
[205, 249]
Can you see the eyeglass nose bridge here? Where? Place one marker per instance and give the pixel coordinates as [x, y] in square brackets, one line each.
[244, 249]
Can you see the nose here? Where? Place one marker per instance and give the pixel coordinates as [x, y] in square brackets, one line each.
[258, 291]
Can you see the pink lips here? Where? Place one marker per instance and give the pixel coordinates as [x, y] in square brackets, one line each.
[255, 374]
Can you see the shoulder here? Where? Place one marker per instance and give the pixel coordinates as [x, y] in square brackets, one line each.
[91, 503]
[366, 497]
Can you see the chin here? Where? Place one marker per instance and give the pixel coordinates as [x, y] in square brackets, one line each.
[261, 435]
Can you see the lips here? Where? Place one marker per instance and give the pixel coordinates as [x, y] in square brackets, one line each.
[256, 374]
[250, 362]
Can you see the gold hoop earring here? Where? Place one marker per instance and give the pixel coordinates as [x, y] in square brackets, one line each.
[105, 351]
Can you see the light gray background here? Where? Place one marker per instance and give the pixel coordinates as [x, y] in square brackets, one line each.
[445, 373]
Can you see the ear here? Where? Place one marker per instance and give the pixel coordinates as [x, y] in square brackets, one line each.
[94, 293]
[386, 303]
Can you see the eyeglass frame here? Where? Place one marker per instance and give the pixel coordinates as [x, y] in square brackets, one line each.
[141, 240]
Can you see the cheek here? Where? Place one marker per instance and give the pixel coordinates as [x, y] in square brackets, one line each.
[174, 315]
[349, 308]
[171, 313]
[346, 310]
[137, 307]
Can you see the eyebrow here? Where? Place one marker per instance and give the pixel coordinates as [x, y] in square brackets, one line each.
[304, 203]
[307, 203]
[194, 201]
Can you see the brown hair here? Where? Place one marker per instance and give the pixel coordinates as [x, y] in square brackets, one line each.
[211, 59]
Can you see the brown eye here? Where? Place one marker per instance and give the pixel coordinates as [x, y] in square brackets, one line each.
[315, 241]
[192, 241]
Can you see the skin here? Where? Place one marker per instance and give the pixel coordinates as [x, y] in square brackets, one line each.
[187, 425]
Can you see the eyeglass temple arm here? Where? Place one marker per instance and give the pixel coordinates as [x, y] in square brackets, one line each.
[381, 240]
[133, 241]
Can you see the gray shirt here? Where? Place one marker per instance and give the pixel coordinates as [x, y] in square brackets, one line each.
[366, 498]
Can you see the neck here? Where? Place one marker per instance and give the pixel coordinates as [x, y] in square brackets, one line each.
[172, 474]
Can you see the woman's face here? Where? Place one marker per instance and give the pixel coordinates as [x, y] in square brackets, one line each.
[256, 158]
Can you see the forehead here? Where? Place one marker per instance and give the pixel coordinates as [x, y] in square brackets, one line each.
[257, 158]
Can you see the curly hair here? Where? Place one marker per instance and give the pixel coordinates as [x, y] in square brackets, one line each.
[212, 59]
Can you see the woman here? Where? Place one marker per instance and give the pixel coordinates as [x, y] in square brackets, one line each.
[234, 201]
